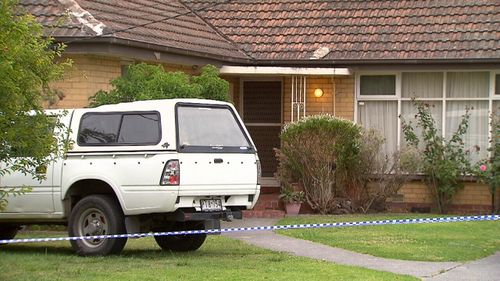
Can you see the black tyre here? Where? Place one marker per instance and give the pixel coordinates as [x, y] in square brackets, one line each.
[8, 231]
[97, 215]
[183, 243]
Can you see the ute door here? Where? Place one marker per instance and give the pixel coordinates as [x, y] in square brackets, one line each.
[216, 155]
[40, 200]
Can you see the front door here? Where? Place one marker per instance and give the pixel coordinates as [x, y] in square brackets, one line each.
[262, 117]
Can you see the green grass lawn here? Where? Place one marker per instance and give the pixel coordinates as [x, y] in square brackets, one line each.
[220, 258]
[456, 241]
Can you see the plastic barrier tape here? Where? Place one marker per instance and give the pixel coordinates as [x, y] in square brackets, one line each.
[263, 228]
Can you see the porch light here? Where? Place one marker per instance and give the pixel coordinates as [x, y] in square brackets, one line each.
[318, 93]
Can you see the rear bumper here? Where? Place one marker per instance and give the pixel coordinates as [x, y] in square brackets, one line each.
[181, 215]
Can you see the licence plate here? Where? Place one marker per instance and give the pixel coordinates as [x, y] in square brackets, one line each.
[211, 205]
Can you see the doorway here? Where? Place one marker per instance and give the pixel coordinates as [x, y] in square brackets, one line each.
[262, 115]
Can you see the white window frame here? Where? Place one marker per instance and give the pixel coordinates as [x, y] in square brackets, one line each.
[378, 97]
[493, 85]
[443, 99]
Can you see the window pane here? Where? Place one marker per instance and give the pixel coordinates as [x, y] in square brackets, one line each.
[205, 126]
[477, 134]
[422, 85]
[497, 84]
[374, 85]
[467, 84]
[496, 107]
[99, 128]
[408, 111]
[382, 116]
[140, 129]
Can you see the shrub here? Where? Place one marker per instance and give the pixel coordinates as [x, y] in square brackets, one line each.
[443, 162]
[147, 82]
[320, 152]
[380, 176]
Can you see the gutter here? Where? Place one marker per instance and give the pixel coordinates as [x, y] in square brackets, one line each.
[151, 47]
[264, 63]
[378, 61]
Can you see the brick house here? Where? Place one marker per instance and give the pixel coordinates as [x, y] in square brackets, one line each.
[369, 58]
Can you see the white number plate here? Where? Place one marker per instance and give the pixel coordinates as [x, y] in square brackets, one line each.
[211, 205]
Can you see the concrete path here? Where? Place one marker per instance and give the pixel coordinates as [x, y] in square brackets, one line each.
[484, 269]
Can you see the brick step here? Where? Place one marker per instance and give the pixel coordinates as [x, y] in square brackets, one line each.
[274, 214]
[269, 202]
[269, 190]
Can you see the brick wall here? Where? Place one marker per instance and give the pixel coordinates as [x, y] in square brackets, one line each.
[344, 98]
[473, 198]
[342, 105]
[90, 74]
[234, 84]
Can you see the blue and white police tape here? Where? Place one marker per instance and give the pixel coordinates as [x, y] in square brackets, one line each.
[263, 228]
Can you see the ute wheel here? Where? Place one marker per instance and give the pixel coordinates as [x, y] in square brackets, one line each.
[8, 231]
[97, 215]
[183, 243]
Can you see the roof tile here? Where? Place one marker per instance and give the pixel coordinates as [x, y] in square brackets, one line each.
[164, 23]
[355, 29]
[278, 30]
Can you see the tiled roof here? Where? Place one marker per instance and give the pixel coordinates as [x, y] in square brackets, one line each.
[53, 15]
[359, 30]
[274, 31]
[162, 23]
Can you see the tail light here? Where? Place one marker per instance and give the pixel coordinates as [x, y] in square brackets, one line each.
[259, 172]
[171, 173]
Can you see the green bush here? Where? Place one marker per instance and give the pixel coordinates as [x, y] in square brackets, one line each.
[444, 162]
[321, 153]
[148, 82]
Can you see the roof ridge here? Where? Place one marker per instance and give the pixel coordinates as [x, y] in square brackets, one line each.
[237, 46]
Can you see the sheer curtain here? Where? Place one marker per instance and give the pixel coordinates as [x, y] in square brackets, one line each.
[408, 111]
[382, 116]
[422, 85]
[468, 84]
[477, 134]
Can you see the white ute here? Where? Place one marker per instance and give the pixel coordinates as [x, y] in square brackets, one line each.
[161, 165]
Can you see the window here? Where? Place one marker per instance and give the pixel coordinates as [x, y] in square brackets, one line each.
[468, 84]
[119, 129]
[139, 128]
[422, 85]
[382, 116]
[381, 99]
[210, 129]
[497, 84]
[378, 85]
